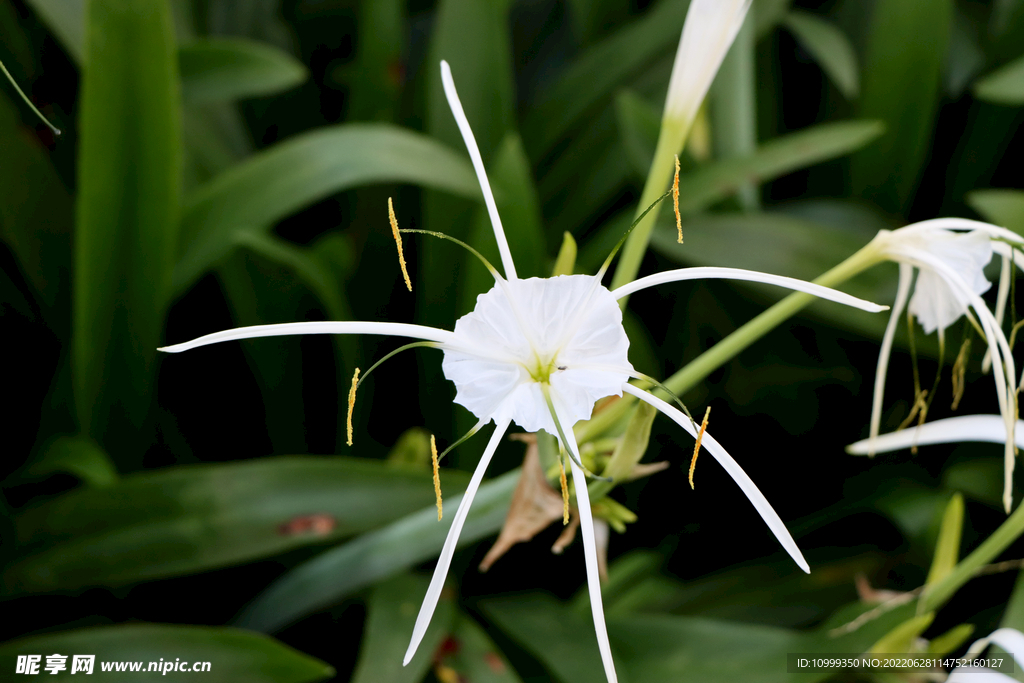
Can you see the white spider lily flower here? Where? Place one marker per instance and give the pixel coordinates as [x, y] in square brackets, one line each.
[960, 429]
[950, 254]
[1009, 639]
[540, 353]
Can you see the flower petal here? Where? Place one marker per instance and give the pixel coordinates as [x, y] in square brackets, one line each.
[317, 327]
[579, 480]
[983, 428]
[478, 165]
[936, 304]
[707, 273]
[444, 561]
[882, 369]
[748, 487]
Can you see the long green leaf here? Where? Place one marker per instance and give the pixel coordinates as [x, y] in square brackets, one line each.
[417, 537]
[189, 519]
[947, 547]
[232, 654]
[129, 181]
[77, 456]
[774, 158]
[474, 656]
[902, 75]
[391, 614]
[66, 18]
[1005, 85]
[830, 48]
[269, 186]
[226, 69]
[598, 72]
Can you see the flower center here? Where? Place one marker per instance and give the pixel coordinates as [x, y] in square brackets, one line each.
[542, 367]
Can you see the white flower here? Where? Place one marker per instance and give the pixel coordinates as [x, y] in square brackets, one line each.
[1009, 639]
[950, 254]
[540, 353]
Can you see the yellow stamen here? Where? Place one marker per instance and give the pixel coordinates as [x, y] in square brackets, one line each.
[565, 492]
[398, 241]
[351, 404]
[675, 201]
[437, 476]
[696, 446]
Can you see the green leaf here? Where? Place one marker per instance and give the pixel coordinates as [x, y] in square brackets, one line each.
[183, 520]
[474, 656]
[411, 451]
[66, 18]
[233, 654]
[638, 124]
[271, 185]
[900, 639]
[597, 73]
[768, 13]
[1005, 85]
[225, 69]
[561, 639]
[565, 262]
[417, 537]
[376, 80]
[1002, 207]
[980, 478]
[902, 75]
[830, 48]
[35, 215]
[717, 181]
[78, 456]
[1013, 617]
[694, 649]
[783, 245]
[951, 640]
[947, 547]
[391, 614]
[129, 182]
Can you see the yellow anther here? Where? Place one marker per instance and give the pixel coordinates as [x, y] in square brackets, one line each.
[565, 492]
[398, 241]
[959, 371]
[437, 475]
[696, 446]
[675, 201]
[351, 404]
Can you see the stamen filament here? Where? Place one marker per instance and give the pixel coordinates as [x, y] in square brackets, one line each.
[565, 491]
[622, 240]
[437, 475]
[427, 344]
[696, 446]
[55, 129]
[398, 240]
[675, 200]
[351, 404]
[433, 233]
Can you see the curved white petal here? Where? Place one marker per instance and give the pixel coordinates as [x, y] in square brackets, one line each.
[748, 487]
[709, 30]
[1010, 639]
[960, 224]
[579, 480]
[707, 273]
[978, 674]
[936, 303]
[984, 428]
[1005, 271]
[444, 561]
[316, 327]
[478, 165]
[902, 293]
[538, 326]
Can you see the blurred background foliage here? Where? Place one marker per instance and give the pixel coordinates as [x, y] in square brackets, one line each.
[228, 162]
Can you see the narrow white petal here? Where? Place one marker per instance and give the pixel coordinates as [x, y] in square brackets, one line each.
[961, 224]
[445, 559]
[707, 273]
[478, 165]
[316, 327]
[978, 674]
[748, 487]
[1010, 639]
[579, 480]
[1006, 270]
[902, 293]
[984, 428]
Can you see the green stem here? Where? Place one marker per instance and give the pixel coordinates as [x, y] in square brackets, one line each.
[734, 108]
[936, 594]
[670, 142]
[703, 365]
[56, 131]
